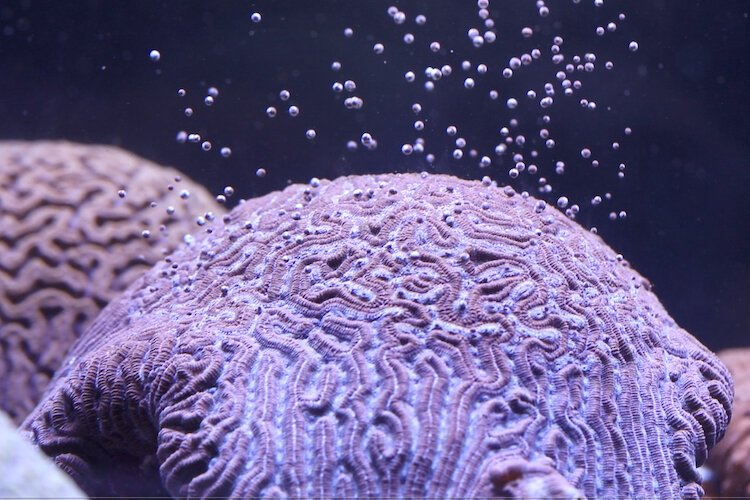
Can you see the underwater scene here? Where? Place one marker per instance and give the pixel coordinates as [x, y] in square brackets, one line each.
[375, 249]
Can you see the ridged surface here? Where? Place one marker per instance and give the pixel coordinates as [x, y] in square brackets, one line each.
[729, 462]
[69, 244]
[388, 336]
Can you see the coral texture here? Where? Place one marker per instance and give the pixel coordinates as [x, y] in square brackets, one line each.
[69, 244]
[729, 462]
[400, 335]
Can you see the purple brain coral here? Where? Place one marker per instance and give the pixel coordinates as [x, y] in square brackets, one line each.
[69, 244]
[400, 335]
[729, 462]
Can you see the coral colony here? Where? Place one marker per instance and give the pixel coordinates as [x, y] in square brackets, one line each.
[400, 335]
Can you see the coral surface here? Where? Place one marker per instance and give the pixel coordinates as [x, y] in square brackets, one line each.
[401, 335]
[69, 244]
[729, 462]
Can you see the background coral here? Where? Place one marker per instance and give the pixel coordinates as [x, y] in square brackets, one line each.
[69, 244]
[729, 462]
[388, 336]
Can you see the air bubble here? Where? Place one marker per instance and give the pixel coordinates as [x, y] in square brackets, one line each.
[353, 103]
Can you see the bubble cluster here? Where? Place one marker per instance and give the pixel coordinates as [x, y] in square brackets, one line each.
[514, 81]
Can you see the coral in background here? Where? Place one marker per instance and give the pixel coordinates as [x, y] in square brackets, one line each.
[72, 222]
[399, 335]
[729, 462]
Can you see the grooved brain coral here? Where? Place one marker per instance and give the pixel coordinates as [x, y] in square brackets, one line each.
[730, 460]
[69, 244]
[400, 335]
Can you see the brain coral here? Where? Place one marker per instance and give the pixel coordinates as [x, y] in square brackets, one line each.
[730, 460]
[69, 244]
[400, 335]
